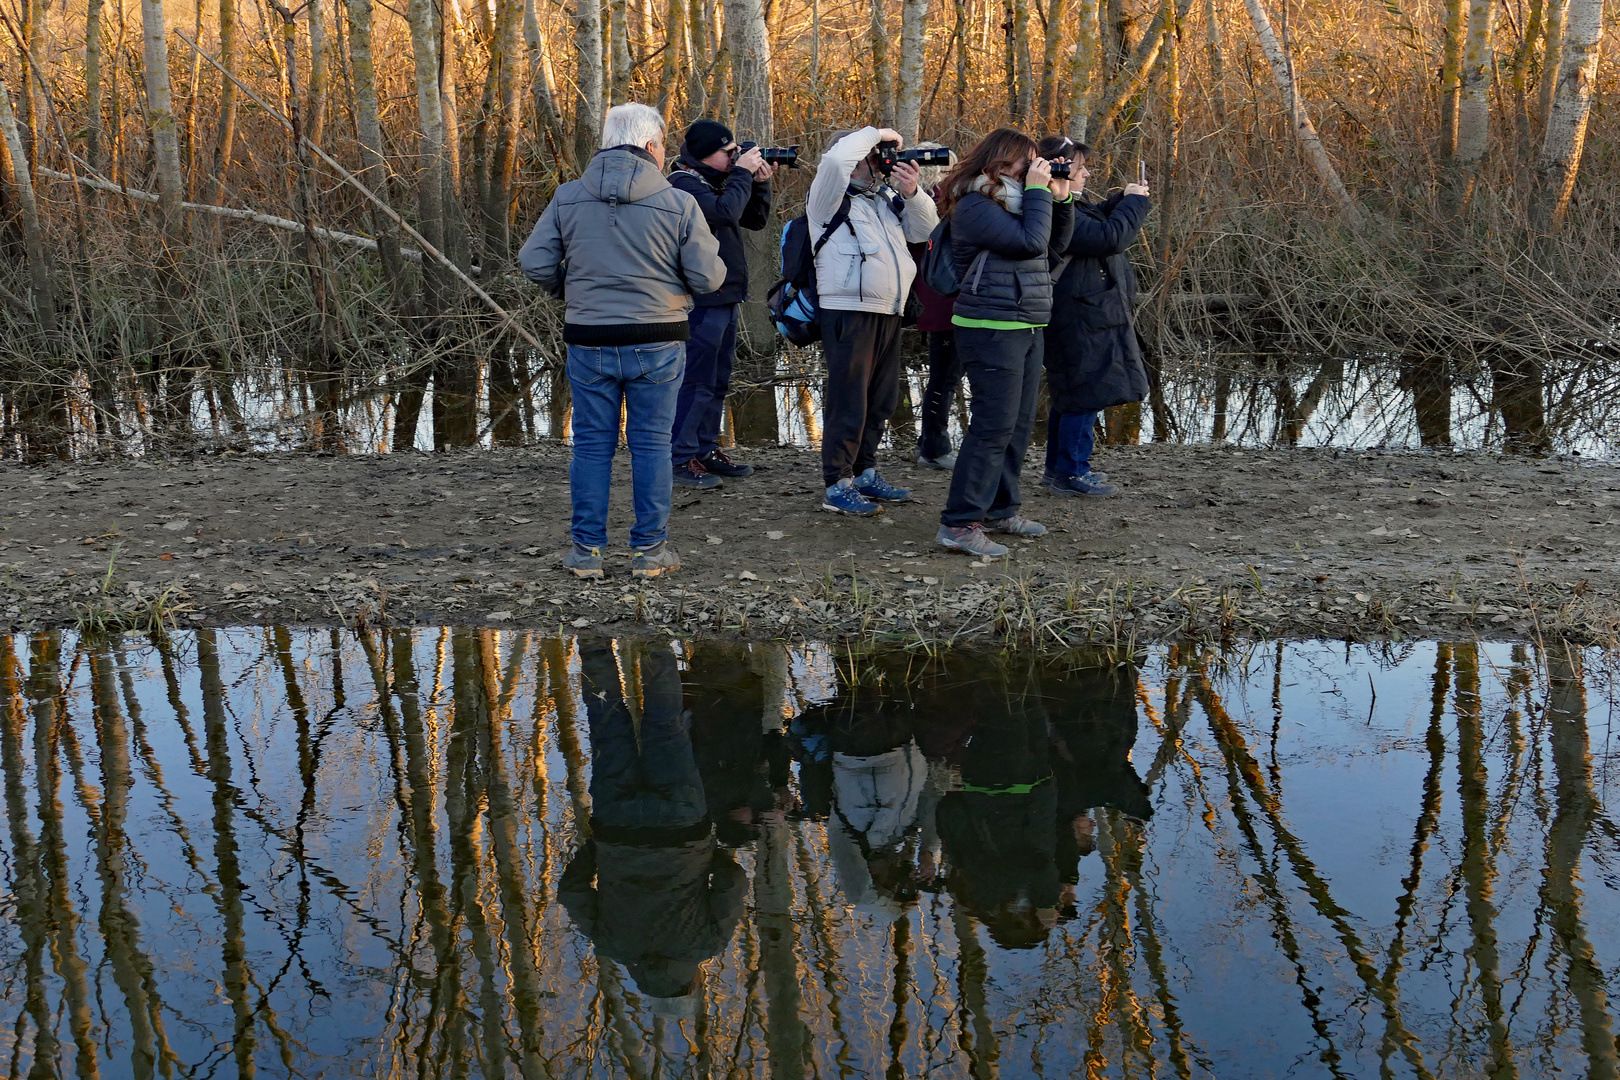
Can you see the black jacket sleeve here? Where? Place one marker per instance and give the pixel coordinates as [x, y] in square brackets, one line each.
[725, 208]
[757, 214]
[1096, 238]
[1063, 218]
[979, 222]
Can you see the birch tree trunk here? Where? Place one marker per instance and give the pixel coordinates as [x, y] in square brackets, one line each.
[619, 34]
[1083, 67]
[1217, 63]
[1567, 119]
[430, 141]
[1521, 63]
[1474, 106]
[697, 49]
[92, 86]
[749, 45]
[33, 29]
[225, 129]
[960, 32]
[160, 115]
[1138, 67]
[1451, 77]
[588, 97]
[373, 165]
[1310, 143]
[456, 241]
[39, 264]
[913, 41]
[882, 77]
[1050, 61]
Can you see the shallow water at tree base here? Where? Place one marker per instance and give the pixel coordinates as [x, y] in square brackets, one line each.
[459, 850]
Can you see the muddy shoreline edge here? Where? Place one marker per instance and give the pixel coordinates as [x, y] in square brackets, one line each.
[1203, 542]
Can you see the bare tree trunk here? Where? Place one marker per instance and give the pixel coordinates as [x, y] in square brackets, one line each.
[1023, 66]
[588, 111]
[1551, 57]
[960, 32]
[1571, 108]
[913, 40]
[33, 117]
[1217, 64]
[39, 260]
[1083, 68]
[225, 130]
[160, 116]
[1451, 77]
[318, 78]
[1521, 63]
[619, 35]
[92, 86]
[544, 92]
[373, 165]
[749, 46]
[1474, 106]
[697, 49]
[882, 77]
[503, 58]
[1050, 61]
[674, 34]
[1310, 143]
[1138, 67]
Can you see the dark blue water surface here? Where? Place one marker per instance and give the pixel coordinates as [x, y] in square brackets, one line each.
[461, 852]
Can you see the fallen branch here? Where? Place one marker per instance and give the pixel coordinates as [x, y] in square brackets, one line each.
[365, 243]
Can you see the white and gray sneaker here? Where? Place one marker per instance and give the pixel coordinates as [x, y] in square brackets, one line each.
[1016, 525]
[970, 540]
[652, 561]
[583, 562]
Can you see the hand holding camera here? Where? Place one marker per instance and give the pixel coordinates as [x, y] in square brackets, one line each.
[1038, 174]
[1061, 182]
[749, 158]
[906, 176]
[1141, 185]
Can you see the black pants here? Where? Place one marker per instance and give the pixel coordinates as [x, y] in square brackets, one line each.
[1003, 369]
[944, 373]
[863, 387]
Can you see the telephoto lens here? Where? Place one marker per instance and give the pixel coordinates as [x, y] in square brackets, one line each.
[781, 155]
[927, 155]
[1061, 170]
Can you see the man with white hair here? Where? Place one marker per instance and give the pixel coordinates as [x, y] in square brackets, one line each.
[627, 251]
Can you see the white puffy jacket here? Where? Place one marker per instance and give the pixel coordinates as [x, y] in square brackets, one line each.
[870, 270]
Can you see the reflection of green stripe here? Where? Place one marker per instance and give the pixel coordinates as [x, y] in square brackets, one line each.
[1010, 789]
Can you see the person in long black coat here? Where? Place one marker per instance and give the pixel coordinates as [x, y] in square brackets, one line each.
[1092, 356]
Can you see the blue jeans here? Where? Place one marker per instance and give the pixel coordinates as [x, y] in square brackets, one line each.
[1070, 438]
[708, 377]
[645, 379]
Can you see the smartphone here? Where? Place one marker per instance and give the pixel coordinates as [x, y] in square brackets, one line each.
[1141, 172]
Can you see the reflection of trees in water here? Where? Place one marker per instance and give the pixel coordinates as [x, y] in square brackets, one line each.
[355, 857]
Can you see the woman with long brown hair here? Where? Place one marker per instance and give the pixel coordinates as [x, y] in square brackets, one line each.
[1009, 218]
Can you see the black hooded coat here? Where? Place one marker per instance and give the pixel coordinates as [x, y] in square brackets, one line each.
[1093, 359]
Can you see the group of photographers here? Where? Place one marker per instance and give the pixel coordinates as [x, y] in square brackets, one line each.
[653, 271]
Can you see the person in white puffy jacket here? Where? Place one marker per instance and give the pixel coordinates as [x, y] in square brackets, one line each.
[863, 276]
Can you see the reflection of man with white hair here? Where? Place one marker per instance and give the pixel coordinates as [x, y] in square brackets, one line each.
[628, 251]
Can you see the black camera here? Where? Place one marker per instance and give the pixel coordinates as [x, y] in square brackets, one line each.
[1060, 169]
[889, 154]
[772, 155]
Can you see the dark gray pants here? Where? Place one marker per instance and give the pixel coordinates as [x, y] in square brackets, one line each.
[862, 350]
[1003, 369]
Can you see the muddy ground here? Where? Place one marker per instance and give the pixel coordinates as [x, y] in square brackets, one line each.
[1201, 541]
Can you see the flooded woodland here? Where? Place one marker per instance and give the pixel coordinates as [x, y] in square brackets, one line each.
[477, 852]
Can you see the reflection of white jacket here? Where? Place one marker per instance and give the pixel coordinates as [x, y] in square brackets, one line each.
[870, 270]
[876, 800]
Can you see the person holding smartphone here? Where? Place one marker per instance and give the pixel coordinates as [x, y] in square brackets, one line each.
[1093, 359]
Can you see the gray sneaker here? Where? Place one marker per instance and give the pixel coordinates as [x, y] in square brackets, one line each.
[1016, 525]
[945, 461]
[585, 562]
[969, 539]
[655, 560]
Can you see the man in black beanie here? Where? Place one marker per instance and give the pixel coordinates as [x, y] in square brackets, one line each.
[733, 189]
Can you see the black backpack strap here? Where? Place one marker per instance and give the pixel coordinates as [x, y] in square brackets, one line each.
[839, 218]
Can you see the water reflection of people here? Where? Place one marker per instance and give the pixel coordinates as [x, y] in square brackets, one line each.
[998, 829]
[666, 896]
[1092, 711]
[744, 767]
[880, 809]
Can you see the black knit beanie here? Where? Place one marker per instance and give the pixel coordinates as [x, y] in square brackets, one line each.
[704, 137]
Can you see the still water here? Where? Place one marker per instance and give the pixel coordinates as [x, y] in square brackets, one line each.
[482, 853]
